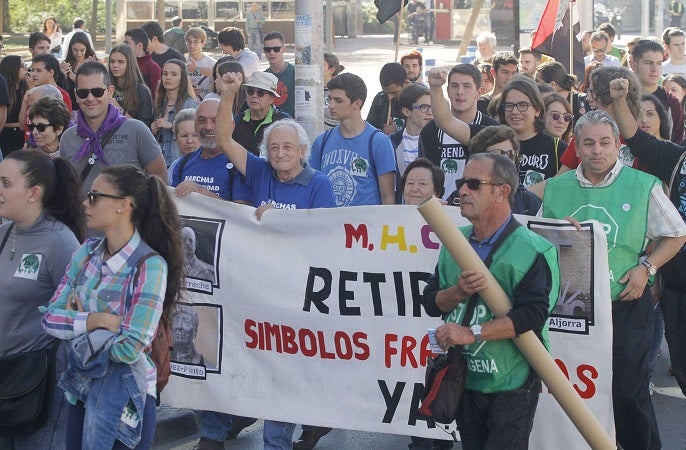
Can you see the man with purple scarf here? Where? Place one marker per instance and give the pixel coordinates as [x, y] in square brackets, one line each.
[103, 136]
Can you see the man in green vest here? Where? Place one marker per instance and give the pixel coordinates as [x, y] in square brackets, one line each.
[633, 209]
[501, 390]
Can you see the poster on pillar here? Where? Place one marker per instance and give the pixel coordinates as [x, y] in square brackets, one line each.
[315, 317]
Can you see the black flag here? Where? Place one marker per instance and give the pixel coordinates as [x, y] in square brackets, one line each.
[387, 8]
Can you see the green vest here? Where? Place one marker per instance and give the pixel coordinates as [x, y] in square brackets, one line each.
[622, 208]
[498, 366]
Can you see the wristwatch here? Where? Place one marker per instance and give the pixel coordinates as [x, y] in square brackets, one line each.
[651, 269]
[476, 330]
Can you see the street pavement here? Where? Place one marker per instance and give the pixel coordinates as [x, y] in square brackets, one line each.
[179, 429]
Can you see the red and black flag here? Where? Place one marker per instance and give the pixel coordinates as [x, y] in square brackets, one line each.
[554, 34]
[388, 8]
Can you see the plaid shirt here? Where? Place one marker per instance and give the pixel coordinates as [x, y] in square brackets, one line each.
[102, 287]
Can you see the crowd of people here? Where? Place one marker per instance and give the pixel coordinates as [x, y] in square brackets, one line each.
[90, 146]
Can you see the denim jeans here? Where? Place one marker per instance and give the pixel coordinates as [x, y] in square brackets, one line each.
[278, 435]
[77, 416]
[632, 332]
[255, 42]
[674, 310]
[501, 420]
[52, 433]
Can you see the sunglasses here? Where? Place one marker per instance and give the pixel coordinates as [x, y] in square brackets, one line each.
[97, 93]
[38, 126]
[474, 183]
[556, 116]
[271, 49]
[252, 91]
[93, 196]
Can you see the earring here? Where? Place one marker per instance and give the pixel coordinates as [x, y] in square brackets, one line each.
[118, 210]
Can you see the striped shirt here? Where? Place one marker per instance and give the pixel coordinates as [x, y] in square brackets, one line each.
[101, 286]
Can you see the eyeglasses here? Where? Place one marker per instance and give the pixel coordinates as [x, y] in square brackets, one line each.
[599, 50]
[474, 183]
[521, 106]
[38, 126]
[271, 49]
[188, 136]
[556, 116]
[252, 91]
[193, 41]
[510, 153]
[93, 196]
[425, 108]
[97, 93]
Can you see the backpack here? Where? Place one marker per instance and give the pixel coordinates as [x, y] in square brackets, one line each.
[162, 343]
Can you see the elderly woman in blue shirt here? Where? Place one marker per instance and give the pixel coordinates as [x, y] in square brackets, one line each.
[281, 179]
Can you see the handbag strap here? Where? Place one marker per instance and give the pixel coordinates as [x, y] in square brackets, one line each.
[7, 235]
[471, 303]
[88, 167]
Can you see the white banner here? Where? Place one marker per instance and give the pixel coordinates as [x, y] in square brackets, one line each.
[315, 317]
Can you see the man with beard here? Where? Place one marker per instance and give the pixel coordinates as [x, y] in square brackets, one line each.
[184, 327]
[207, 170]
[413, 64]
[193, 267]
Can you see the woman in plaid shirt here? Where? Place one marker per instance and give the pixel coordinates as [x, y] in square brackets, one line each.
[124, 281]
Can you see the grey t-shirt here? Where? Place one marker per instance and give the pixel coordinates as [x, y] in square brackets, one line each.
[132, 144]
[28, 279]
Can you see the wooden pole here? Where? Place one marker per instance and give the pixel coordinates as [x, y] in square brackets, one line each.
[469, 30]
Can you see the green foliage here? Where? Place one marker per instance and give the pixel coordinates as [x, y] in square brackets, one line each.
[370, 24]
[28, 16]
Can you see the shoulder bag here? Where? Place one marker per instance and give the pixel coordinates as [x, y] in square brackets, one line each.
[27, 384]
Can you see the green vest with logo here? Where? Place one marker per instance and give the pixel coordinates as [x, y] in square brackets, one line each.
[498, 366]
[622, 208]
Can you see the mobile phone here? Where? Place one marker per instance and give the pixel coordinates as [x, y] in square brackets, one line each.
[435, 348]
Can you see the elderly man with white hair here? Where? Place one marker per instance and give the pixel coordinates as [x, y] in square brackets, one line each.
[485, 42]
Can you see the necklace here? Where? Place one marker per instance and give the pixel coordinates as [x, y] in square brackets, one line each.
[14, 243]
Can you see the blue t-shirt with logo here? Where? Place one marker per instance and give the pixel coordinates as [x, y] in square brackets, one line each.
[353, 165]
[309, 189]
[212, 174]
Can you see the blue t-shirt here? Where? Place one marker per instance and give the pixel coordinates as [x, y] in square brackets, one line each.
[309, 189]
[212, 174]
[353, 171]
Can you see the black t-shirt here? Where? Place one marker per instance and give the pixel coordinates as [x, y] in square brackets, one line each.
[171, 53]
[4, 92]
[539, 158]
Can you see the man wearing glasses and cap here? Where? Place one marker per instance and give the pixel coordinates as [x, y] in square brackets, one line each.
[260, 94]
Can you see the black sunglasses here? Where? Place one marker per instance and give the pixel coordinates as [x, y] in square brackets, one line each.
[38, 126]
[474, 183]
[93, 196]
[97, 93]
[271, 49]
[253, 91]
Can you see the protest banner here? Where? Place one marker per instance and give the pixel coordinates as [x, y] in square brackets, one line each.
[315, 317]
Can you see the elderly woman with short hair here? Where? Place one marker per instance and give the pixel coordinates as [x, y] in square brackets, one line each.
[48, 119]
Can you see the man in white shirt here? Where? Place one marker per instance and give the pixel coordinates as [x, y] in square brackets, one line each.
[79, 27]
[232, 43]
[675, 41]
[199, 64]
[599, 48]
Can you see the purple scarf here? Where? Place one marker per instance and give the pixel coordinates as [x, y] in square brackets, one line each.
[113, 120]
